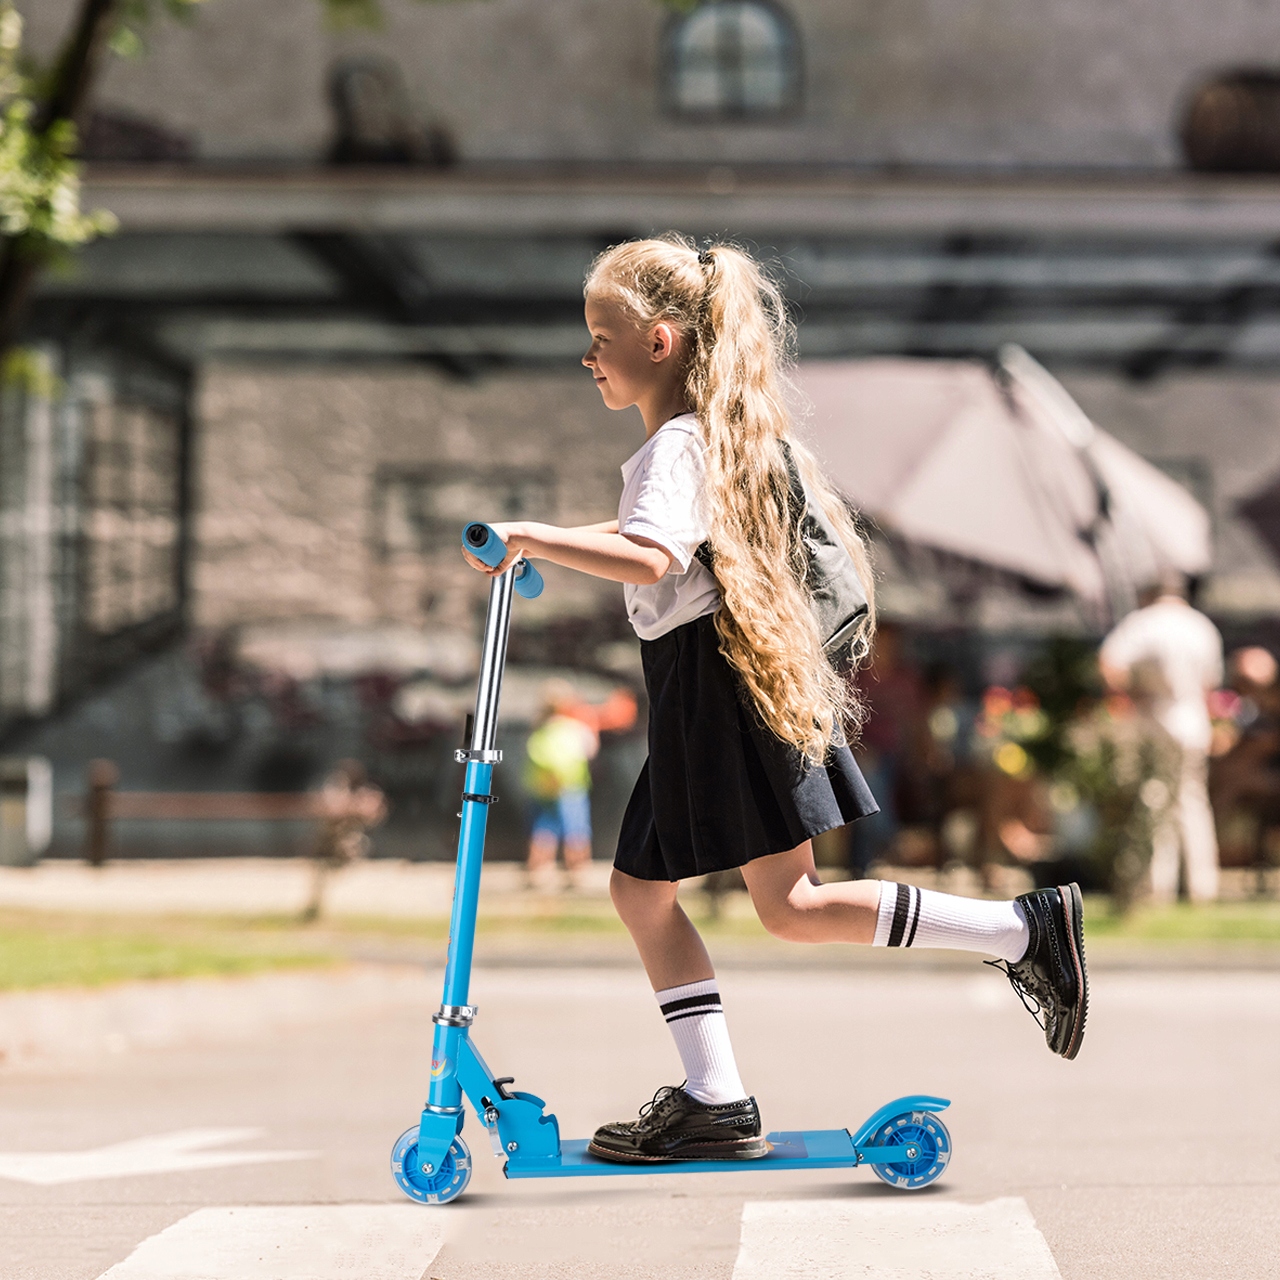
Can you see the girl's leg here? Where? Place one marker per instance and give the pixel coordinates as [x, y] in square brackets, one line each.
[1039, 936]
[684, 982]
[670, 948]
[793, 903]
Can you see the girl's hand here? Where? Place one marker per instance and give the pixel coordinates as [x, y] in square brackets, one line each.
[595, 548]
[514, 536]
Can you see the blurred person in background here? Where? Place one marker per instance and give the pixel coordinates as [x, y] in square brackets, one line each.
[1255, 676]
[350, 806]
[1167, 657]
[1245, 778]
[557, 776]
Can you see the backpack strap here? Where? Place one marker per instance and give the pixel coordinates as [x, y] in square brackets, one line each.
[799, 499]
[797, 505]
[836, 591]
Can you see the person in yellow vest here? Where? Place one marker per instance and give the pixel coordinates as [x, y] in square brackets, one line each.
[557, 780]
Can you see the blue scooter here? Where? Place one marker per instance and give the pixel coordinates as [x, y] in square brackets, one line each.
[904, 1143]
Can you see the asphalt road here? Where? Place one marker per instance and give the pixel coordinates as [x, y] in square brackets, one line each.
[1155, 1154]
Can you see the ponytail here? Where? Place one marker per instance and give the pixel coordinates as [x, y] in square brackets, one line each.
[740, 343]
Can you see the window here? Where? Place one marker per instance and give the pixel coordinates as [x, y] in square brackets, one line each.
[131, 515]
[732, 60]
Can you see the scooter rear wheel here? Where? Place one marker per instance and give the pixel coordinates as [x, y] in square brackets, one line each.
[440, 1186]
[926, 1149]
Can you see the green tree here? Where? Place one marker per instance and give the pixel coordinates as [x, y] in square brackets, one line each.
[39, 179]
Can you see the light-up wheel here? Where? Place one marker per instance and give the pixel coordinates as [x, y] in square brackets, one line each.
[439, 1186]
[926, 1148]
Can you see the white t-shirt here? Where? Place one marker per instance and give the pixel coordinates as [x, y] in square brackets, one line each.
[1174, 657]
[664, 500]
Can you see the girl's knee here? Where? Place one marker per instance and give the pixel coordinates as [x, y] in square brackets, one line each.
[783, 919]
[790, 915]
[621, 890]
[637, 900]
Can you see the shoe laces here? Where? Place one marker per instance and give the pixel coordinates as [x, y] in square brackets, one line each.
[667, 1091]
[1030, 1001]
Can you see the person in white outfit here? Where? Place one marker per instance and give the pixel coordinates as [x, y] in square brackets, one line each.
[1168, 656]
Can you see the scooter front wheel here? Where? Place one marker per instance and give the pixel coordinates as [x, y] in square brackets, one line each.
[926, 1149]
[439, 1186]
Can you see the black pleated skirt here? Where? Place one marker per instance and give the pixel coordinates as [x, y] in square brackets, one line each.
[719, 788]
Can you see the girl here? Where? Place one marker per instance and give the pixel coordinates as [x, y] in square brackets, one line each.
[747, 759]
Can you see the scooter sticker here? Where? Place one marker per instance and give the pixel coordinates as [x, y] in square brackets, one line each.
[440, 1067]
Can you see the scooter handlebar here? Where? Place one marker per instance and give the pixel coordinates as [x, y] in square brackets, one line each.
[489, 549]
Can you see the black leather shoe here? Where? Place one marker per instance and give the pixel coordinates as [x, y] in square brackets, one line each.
[1051, 979]
[676, 1126]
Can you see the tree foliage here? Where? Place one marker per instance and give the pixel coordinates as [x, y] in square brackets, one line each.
[134, 16]
[40, 211]
[39, 178]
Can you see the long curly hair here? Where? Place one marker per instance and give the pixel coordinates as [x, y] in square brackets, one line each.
[739, 348]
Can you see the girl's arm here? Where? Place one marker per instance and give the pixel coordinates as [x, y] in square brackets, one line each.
[596, 549]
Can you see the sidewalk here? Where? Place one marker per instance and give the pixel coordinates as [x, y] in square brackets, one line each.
[269, 887]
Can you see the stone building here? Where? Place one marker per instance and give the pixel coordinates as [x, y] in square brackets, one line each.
[1007, 84]
[349, 272]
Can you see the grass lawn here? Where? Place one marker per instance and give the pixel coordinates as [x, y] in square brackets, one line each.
[45, 950]
[1252, 921]
[39, 949]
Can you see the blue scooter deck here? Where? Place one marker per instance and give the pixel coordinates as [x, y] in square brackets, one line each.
[807, 1149]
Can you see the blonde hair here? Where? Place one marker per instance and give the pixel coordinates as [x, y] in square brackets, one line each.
[740, 339]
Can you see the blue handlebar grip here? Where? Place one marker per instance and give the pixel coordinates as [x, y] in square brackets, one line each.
[484, 544]
[489, 549]
[528, 581]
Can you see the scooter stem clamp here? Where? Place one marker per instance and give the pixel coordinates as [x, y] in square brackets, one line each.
[441, 1111]
[455, 1015]
[488, 756]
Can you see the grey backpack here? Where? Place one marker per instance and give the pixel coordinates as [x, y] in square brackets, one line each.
[835, 589]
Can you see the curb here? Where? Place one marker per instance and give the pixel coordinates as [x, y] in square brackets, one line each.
[65, 1026]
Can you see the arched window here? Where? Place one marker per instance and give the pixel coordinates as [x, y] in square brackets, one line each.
[732, 59]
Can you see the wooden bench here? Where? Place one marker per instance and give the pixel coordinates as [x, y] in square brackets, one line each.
[346, 807]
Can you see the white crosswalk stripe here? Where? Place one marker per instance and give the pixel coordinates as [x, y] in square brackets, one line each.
[179, 1152]
[291, 1242]
[848, 1239]
[891, 1240]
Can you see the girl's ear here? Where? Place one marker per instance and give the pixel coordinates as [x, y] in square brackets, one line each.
[663, 341]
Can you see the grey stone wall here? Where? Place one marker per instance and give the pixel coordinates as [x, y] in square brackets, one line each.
[289, 460]
[915, 82]
[287, 470]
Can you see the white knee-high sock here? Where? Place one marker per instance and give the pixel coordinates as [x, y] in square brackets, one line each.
[696, 1018]
[911, 917]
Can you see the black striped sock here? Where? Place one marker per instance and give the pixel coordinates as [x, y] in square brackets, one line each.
[899, 915]
[692, 1006]
[911, 917]
[696, 1018]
